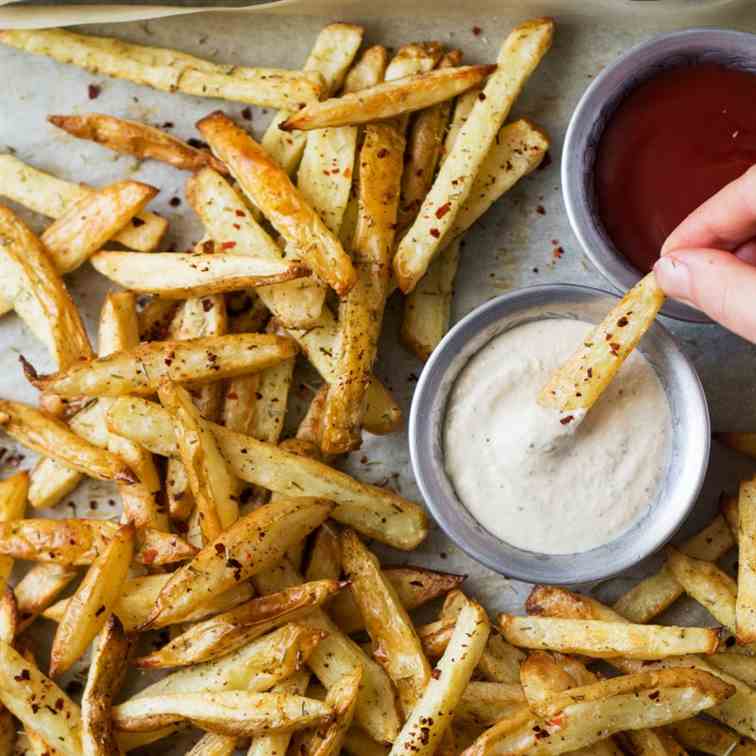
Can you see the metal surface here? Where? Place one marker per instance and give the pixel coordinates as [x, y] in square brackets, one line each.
[686, 465]
[731, 48]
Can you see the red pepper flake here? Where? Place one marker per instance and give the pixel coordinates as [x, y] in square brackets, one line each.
[567, 420]
[246, 114]
[622, 322]
[482, 96]
[436, 674]
[443, 210]
[435, 233]
[382, 152]
[347, 173]
[208, 247]
[93, 90]
[228, 245]
[149, 556]
[477, 31]
[232, 395]
[175, 201]
[558, 253]
[240, 214]
[207, 305]
[541, 210]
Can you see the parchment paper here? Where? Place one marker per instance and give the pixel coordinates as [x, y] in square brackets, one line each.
[514, 245]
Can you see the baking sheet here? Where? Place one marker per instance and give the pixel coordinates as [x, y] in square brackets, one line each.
[514, 245]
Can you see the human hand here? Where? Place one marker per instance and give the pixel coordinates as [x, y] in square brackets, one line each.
[709, 260]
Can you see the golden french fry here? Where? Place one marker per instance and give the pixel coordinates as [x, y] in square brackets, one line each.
[53, 197]
[89, 222]
[432, 715]
[519, 56]
[51, 437]
[331, 55]
[578, 383]
[106, 671]
[745, 609]
[228, 631]
[656, 593]
[138, 598]
[713, 588]
[169, 70]
[739, 664]
[221, 209]
[704, 736]
[397, 646]
[137, 139]
[368, 71]
[89, 608]
[325, 556]
[584, 715]
[213, 486]
[337, 656]
[250, 545]
[361, 310]
[415, 586]
[280, 201]
[342, 698]
[392, 98]
[141, 370]
[38, 702]
[228, 712]
[13, 493]
[31, 284]
[39, 588]
[606, 640]
[179, 276]
[50, 482]
[374, 511]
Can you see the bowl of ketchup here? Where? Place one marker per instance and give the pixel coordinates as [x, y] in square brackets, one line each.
[657, 133]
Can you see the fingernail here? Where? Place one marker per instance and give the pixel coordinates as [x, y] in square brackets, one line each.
[673, 276]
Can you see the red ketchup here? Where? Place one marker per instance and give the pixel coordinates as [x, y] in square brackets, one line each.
[672, 143]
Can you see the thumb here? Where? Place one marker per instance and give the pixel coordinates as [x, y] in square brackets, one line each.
[716, 282]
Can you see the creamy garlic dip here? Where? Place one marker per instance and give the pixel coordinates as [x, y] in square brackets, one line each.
[537, 482]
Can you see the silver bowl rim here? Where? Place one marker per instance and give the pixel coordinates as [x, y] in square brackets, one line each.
[610, 263]
[421, 440]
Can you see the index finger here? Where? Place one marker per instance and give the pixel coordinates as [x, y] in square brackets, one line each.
[724, 221]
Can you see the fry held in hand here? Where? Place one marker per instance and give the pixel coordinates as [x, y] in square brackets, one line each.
[392, 98]
[180, 276]
[141, 370]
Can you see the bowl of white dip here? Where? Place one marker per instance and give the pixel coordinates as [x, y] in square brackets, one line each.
[542, 496]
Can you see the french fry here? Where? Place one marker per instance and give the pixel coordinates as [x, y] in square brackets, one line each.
[137, 139]
[250, 545]
[578, 383]
[155, 318]
[48, 436]
[606, 640]
[38, 702]
[745, 608]
[485, 703]
[368, 71]
[713, 588]
[228, 631]
[333, 52]
[337, 656]
[280, 201]
[374, 511]
[656, 593]
[89, 608]
[13, 493]
[53, 197]
[138, 598]
[179, 276]
[220, 208]
[342, 698]
[361, 311]
[704, 736]
[392, 98]
[50, 482]
[38, 589]
[213, 486]
[106, 671]
[141, 370]
[90, 221]
[211, 744]
[9, 616]
[739, 665]
[432, 715]
[519, 56]
[168, 70]
[585, 715]
[398, 648]
[414, 586]
[228, 713]
[324, 562]
[180, 500]
[30, 283]
[310, 428]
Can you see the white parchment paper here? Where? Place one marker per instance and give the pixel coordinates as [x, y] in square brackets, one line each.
[514, 244]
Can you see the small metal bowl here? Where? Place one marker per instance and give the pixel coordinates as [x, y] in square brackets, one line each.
[688, 457]
[730, 48]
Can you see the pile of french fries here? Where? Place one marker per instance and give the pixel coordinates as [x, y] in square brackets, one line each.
[280, 630]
